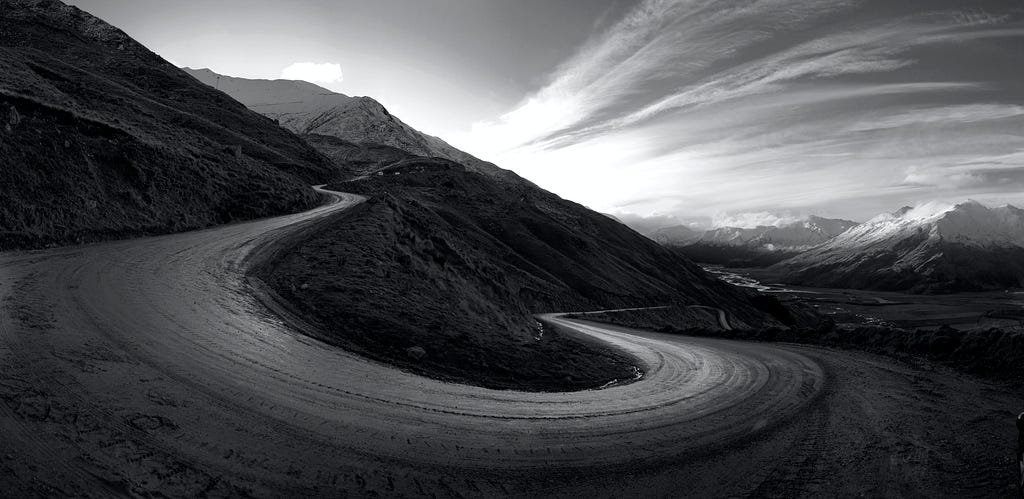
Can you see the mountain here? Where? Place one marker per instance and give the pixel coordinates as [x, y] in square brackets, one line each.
[675, 235]
[452, 265]
[101, 138]
[932, 248]
[752, 247]
[307, 109]
[793, 236]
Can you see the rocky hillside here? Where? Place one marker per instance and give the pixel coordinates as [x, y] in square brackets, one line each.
[932, 248]
[308, 109]
[442, 268]
[100, 138]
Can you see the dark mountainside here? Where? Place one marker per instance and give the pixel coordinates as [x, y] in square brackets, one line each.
[101, 138]
[440, 271]
[357, 158]
[949, 268]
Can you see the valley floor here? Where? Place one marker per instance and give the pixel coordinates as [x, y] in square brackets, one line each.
[1001, 309]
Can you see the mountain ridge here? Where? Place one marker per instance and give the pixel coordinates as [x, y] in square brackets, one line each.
[308, 109]
[756, 246]
[930, 248]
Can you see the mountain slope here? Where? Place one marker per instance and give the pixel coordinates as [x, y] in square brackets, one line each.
[308, 109]
[927, 249]
[102, 138]
[451, 264]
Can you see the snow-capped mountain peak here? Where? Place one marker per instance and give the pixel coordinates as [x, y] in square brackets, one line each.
[930, 247]
[969, 223]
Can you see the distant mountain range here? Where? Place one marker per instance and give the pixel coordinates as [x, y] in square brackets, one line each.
[931, 248]
[338, 124]
[965, 247]
[746, 247]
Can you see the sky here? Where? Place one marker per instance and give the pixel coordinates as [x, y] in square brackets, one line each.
[708, 112]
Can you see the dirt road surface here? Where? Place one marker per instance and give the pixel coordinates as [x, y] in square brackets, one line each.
[149, 366]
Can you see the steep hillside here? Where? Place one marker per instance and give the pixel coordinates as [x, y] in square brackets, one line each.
[308, 109]
[441, 270]
[356, 159]
[99, 138]
[965, 247]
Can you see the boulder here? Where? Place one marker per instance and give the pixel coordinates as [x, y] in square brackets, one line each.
[416, 353]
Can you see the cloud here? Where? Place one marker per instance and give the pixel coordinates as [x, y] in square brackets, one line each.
[313, 72]
[658, 43]
[751, 220]
[940, 116]
[920, 211]
[697, 107]
[941, 178]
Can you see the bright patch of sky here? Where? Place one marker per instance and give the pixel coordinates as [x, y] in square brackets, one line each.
[324, 73]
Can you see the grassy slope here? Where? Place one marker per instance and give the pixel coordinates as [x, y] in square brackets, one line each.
[455, 264]
[359, 159]
[99, 138]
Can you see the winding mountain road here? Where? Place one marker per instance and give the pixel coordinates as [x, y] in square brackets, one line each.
[149, 366]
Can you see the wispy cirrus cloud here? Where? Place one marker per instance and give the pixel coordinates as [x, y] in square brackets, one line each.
[697, 108]
[657, 43]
